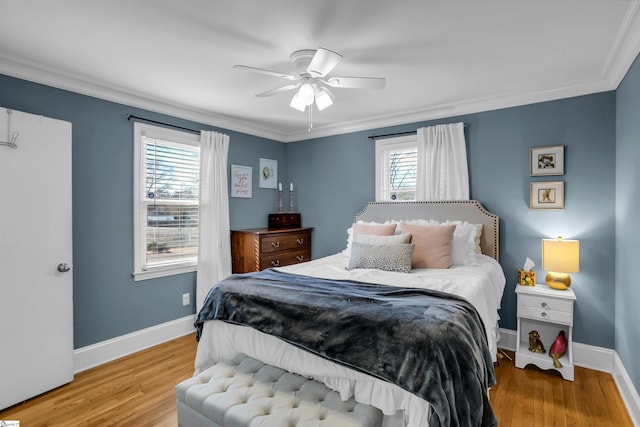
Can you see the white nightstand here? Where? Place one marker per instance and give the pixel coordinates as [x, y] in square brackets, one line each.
[548, 311]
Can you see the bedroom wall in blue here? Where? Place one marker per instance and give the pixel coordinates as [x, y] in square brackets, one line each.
[339, 180]
[107, 302]
[627, 232]
[334, 179]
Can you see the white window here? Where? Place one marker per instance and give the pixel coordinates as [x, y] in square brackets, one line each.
[166, 179]
[396, 168]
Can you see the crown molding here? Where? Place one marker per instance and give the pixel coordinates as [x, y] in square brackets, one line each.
[455, 109]
[625, 47]
[60, 80]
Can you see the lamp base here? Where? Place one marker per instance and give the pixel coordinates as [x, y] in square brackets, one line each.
[560, 281]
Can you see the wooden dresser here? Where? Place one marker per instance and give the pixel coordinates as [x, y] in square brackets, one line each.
[260, 248]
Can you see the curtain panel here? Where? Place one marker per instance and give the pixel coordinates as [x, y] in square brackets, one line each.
[442, 172]
[214, 247]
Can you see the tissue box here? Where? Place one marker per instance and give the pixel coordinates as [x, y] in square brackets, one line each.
[526, 278]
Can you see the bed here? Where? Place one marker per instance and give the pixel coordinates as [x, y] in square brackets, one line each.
[477, 281]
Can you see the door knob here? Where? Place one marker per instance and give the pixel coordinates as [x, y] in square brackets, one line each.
[63, 267]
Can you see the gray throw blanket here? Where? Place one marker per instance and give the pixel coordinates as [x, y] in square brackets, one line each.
[429, 343]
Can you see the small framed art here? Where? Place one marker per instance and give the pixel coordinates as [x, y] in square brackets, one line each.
[241, 181]
[547, 161]
[547, 195]
[268, 173]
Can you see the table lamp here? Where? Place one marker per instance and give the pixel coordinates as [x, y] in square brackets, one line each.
[560, 257]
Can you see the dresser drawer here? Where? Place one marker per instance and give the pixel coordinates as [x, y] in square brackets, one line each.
[285, 242]
[285, 258]
[545, 303]
[284, 220]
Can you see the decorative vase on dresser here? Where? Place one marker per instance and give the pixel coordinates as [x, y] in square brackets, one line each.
[285, 242]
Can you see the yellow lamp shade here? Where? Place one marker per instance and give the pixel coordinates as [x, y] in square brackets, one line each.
[560, 257]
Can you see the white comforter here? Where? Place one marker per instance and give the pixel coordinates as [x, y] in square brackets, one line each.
[482, 286]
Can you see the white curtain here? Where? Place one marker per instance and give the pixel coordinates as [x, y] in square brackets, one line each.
[442, 163]
[214, 247]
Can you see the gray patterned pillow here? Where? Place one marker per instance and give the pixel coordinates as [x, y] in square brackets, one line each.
[381, 257]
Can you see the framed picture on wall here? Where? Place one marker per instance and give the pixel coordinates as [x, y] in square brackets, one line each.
[241, 181]
[547, 195]
[547, 160]
[268, 173]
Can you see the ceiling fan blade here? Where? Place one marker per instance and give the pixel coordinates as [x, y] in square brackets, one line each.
[357, 82]
[267, 72]
[323, 62]
[280, 89]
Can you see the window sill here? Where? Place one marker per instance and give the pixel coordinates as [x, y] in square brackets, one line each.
[163, 272]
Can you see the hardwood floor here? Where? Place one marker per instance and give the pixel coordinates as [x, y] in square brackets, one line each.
[137, 390]
[532, 397]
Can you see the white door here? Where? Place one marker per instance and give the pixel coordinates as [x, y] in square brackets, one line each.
[36, 302]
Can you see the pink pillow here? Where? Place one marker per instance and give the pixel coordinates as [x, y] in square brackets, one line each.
[374, 229]
[432, 245]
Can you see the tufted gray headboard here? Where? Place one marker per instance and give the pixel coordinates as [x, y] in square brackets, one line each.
[463, 210]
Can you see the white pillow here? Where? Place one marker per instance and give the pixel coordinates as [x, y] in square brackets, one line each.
[371, 239]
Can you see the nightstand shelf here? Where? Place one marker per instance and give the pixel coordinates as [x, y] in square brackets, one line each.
[547, 311]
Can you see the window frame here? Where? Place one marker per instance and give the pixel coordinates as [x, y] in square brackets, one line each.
[384, 146]
[140, 270]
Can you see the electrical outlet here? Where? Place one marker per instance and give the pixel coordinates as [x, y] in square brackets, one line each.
[186, 300]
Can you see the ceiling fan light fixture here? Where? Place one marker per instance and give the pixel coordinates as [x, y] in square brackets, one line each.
[297, 103]
[306, 94]
[323, 99]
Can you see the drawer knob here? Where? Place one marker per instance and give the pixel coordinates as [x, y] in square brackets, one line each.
[544, 314]
[275, 263]
[544, 305]
[300, 241]
[300, 258]
[275, 244]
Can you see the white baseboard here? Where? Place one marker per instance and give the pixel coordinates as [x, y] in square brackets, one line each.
[599, 359]
[507, 339]
[97, 354]
[592, 357]
[627, 390]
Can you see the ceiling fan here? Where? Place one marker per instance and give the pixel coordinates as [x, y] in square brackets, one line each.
[312, 81]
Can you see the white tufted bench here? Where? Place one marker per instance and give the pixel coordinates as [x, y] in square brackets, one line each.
[244, 392]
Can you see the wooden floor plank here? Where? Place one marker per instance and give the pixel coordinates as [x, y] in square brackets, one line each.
[544, 399]
[137, 390]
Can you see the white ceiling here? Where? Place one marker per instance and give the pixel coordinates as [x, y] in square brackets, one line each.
[441, 57]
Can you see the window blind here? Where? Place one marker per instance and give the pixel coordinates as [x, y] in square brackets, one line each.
[402, 174]
[396, 168]
[171, 179]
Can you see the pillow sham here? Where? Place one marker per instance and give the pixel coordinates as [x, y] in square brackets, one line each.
[373, 239]
[371, 228]
[374, 229]
[381, 257]
[466, 240]
[432, 245]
